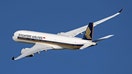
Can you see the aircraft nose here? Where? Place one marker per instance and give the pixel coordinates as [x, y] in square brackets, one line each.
[14, 37]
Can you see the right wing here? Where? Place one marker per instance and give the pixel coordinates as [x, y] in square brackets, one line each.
[80, 30]
[29, 52]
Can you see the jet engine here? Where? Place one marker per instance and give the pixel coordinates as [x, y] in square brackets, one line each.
[25, 50]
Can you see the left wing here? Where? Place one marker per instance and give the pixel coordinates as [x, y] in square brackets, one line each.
[29, 52]
[77, 31]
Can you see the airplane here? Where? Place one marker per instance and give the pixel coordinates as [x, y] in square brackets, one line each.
[64, 40]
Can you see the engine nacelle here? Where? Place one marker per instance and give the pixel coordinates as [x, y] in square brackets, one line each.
[26, 50]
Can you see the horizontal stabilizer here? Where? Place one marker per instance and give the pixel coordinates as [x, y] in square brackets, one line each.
[103, 38]
[88, 45]
[85, 46]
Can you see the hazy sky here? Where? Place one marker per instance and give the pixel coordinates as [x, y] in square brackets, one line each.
[112, 56]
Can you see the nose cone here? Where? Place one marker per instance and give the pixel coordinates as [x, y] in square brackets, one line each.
[14, 37]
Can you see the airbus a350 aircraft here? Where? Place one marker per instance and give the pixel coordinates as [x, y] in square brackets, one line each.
[63, 40]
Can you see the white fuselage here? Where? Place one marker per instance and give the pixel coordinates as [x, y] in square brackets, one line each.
[52, 40]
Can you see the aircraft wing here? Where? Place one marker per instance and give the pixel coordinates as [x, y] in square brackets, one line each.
[29, 52]
[80, 30]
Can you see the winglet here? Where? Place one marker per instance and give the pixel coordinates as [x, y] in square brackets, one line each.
[13, 58]
[120, 10]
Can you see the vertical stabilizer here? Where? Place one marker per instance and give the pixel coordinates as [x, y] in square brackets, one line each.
[89, 32]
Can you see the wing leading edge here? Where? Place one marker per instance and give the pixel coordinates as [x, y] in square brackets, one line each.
[77, 31]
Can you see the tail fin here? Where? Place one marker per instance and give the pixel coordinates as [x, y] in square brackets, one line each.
[89, 32]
